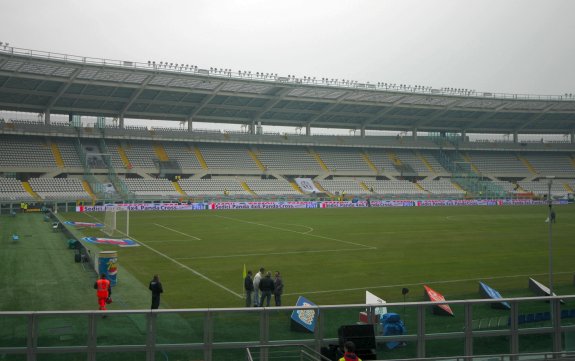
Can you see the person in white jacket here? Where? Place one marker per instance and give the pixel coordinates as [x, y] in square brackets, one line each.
[257, 279]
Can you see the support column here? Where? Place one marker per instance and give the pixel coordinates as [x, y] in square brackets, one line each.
[190, 123]
[308, 129]
[464, 136]
[414, 133]
[362, 131]
[253, 128]
[515, 137]
[47, 117]
[121, 122]
[572, 136]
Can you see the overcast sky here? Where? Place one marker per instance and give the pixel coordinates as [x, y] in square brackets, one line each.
[509, 46]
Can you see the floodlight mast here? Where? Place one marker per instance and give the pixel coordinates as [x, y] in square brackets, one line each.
[550, 221]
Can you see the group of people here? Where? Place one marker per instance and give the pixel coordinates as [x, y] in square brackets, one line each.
[261, 287]
[104, 291]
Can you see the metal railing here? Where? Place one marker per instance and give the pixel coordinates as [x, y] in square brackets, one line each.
[309, 81]
[225, 334]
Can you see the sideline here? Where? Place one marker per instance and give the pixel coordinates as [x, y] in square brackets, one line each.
[201, 275]
[421, 283]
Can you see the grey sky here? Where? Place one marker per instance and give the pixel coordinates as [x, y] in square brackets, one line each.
[512, 46]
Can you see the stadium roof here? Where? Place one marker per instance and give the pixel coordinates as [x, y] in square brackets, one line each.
[33, 81]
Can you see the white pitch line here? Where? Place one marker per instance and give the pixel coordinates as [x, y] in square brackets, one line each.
[170, 240]
[422, 283]
[175, 230]
[201, 275]
[276, 253]
[290, 230]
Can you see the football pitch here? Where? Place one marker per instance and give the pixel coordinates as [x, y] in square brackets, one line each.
[331, 256]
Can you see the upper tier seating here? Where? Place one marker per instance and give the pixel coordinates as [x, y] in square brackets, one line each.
[59, 188]
[183, 153]
[212, 187]
[271, 187]
[113, 149]
[288, 157]
[11, 189]
[151, 187]
[68, 152]
[552, 164]
[497, 163]
[227, 156]
[381, 160]
[27, 152]
[140, 154]
[414, 160]
[338, 160]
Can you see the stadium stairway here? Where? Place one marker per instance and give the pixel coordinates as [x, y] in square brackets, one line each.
[179, 189]
[295, 186]
[30, 191]
[57, 155]
[161, 152]
[88, 190]
[322, 189]
[124, 157]
[457, 186]
[568, 187]
[424, 161]
[200, 157]
[258, 162]
[364, 186]
[393, 157]
[421, 188]
[369, 162]
[529, 166]
[467, 158]
[248, 189]
[318, 159]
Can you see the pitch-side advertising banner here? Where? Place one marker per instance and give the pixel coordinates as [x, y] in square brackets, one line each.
[304, 204]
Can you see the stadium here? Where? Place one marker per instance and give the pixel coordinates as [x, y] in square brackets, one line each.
[410, 197]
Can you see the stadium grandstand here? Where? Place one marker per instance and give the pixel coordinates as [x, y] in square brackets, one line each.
[71, 146]
[430, 156]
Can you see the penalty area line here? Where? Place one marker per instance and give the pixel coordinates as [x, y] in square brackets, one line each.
[201, 275]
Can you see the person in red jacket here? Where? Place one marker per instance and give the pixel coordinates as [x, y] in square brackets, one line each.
[349, 355]
[103, 290]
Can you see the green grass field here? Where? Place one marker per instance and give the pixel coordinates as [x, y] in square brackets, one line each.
[332, 256]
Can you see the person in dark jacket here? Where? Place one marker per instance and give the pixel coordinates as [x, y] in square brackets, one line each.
[157, 289]
[278, 288]
[266, 287]
[249, 288]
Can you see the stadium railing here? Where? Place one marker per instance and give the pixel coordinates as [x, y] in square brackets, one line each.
[225, 334]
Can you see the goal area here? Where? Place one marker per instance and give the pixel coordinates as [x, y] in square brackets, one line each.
[117, 221]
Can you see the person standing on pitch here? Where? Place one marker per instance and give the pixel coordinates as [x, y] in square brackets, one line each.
[103, 291]
[257, 279]
[249, 287]
[267, 287]
[157, 289]
[278, 288]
